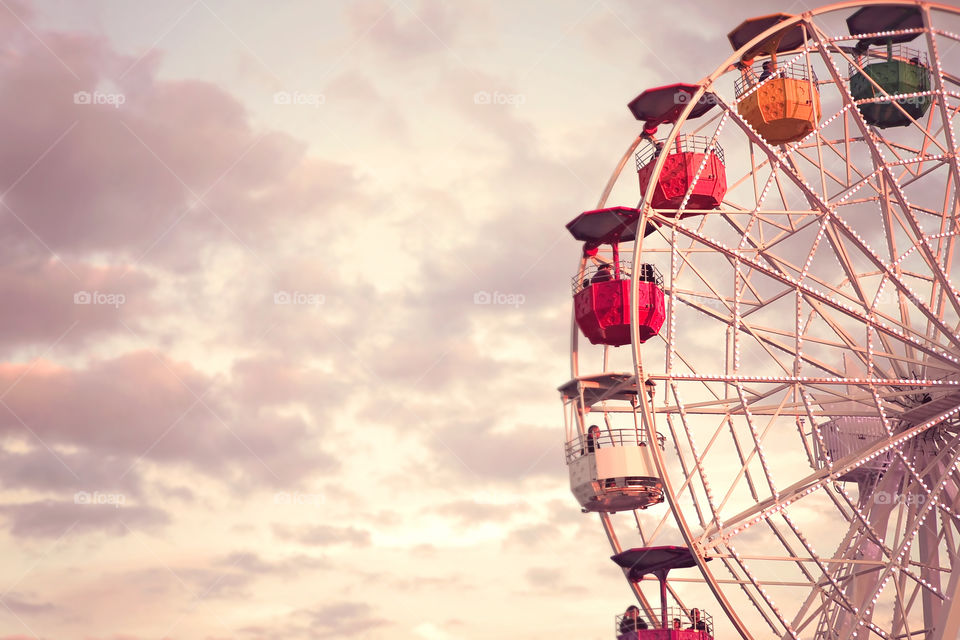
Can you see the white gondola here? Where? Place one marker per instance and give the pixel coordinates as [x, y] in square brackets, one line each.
[611, 470]
[848, 435]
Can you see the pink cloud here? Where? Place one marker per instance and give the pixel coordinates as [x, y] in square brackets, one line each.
[403, 31]
[47, 302]
[174, 167]
[144, 405]
[53, 519]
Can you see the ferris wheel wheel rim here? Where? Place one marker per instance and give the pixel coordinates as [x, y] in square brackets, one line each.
[647, 413]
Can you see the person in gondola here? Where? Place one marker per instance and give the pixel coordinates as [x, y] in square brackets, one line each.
[647, 273]
[698, 624]
[593, 435]
[657, 147]
[631, 623]
[603, 274]
[767, 70]
[676, 624]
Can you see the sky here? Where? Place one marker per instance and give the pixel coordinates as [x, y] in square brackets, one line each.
[250, 387]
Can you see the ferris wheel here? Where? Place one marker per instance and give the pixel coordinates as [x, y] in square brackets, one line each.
[765, 351]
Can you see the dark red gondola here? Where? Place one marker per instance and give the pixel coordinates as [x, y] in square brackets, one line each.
[659, 561]
[601, 292]
[692, 161]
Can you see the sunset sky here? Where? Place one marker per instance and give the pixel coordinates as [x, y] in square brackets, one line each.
[247, 390]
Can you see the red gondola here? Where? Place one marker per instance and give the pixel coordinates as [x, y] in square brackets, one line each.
[692, 164]
[601, 292]
[659, 561]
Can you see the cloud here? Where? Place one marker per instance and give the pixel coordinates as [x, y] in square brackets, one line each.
[339, 619]
[24, 604]
[474, 449]
[274, 380]
[544, 579]
[405, 31]
[143, 406]
[172, 169]
[66, 473]
[251, 562]
[56, 518]
[47, 302]
[323, 535]
[473, 513]
[531, 535]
